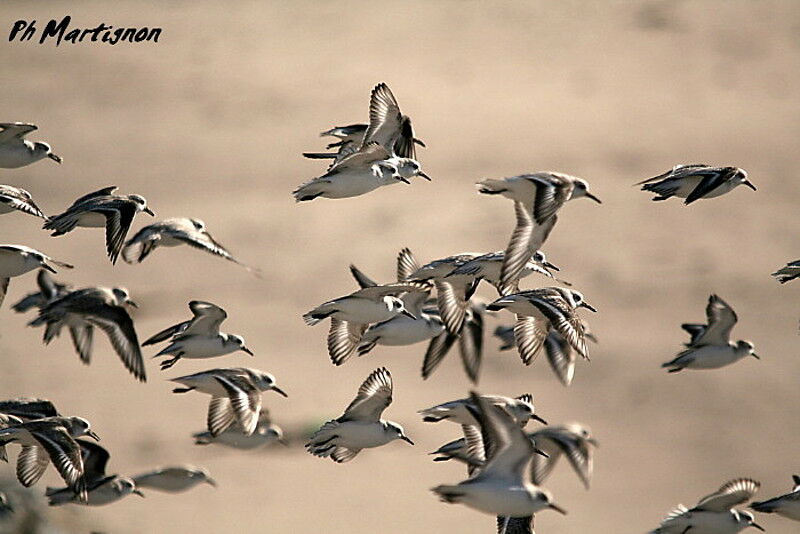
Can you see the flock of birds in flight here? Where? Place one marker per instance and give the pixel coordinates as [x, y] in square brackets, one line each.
[506, 465]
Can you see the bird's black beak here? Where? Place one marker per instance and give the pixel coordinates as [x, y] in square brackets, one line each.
[48, 267]
[425, 176]
[283, 441]
[149, 212]
[57, 159]
[248, 351]
[749, 184]
[759, 527]
[407, 440]
[279, 391]
[211, 482]
[588, 306]
[557, 508]
[550, 266]
[93, 435]
[403, 179]
[409, 314]
[589, 195]
[540, 452]
[756, 356]
[538, 418]
[139, 493]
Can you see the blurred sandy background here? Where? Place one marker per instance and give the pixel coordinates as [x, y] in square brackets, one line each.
[210, 123]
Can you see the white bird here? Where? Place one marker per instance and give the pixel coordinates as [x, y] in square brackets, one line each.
[17, 199]
[199, 337]
[537, 198]
[101, 488]
[695, 181]
[174, 479]
[540, 310]
[50, 440]
[788, 273]
[461, 411]
[787, 505]
[384, 157]
[16, 151]
[235, 395]
[714, 514]
[503, 486]
[84, 309]
[16, 260]
[488, 266]
[266, 433]
[352, 314]
[559, 352]
[172, 233]
[101, 209]
[361, 426]
[710, 346]
[49, 290]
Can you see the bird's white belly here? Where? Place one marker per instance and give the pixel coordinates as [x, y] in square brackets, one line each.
[714, 523]
[17, 155]
[168, 482]
[12, 264]
[5, 208]
[363, 311]
[103, 495]
[713, 357]
[197, 347]
[359, 435]
[351, 184]
[689, 184]
[789, 509]
[404, 330]
[236, 440]
[91, 219]
[205, 385]
[169, 241]
[495, 498]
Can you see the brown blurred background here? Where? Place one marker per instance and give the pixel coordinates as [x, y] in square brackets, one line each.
[210, 123]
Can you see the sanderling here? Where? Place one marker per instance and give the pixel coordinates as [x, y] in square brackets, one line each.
[787, 505]
[460, 411]
[487, 267]
[400, 330]
[50, 439]
[49, 290]
[101, 488]
[452, 293]
[361, 426]
[17, 199]
[715, 512]
[174, 479]
[574, 441]
[235, 395]
[540, 310]
[384, 157]
[470, 449]
[16, 260]
[16, 151]
[199, 337]
[788, 273]
[352, 314]
[503, 486]
[266, 433]
[353, 134]
[101, 307]
[695, 181]
[710, 346]
[101, 209]
[172, 233]
[557, 349]
[537, 197]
